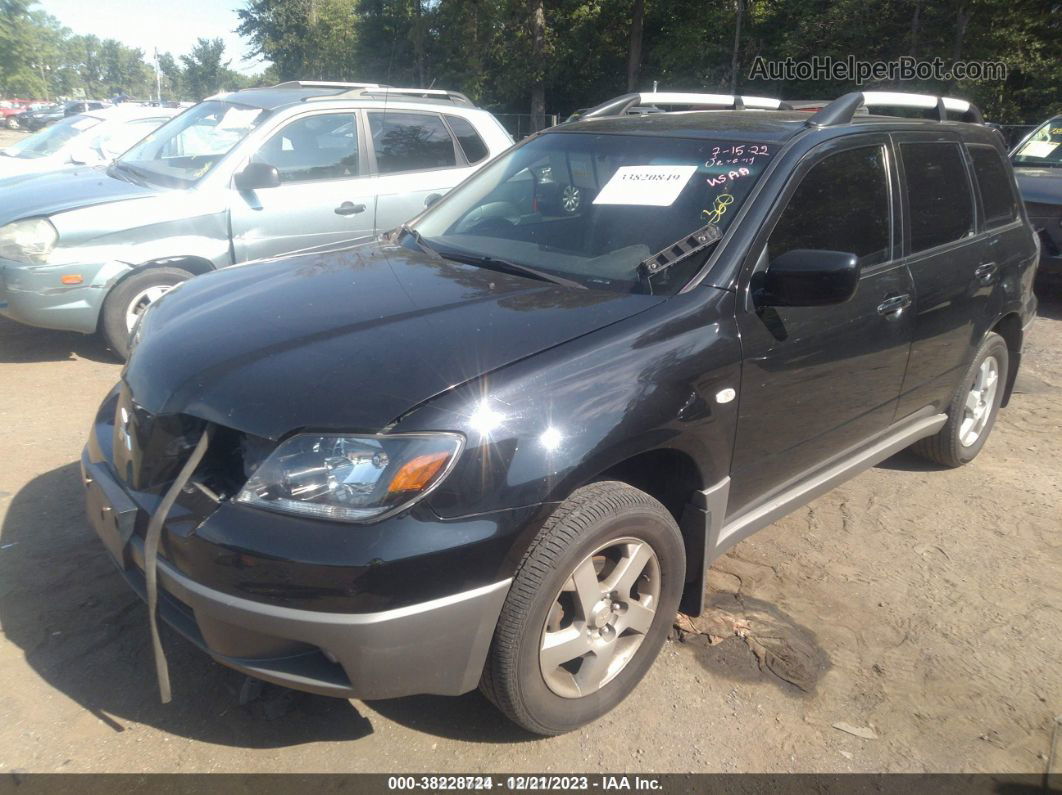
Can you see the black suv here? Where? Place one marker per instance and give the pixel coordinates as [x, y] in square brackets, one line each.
[500, 446]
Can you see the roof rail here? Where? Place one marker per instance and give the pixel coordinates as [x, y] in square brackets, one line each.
[619, 106]
[432, 95]
[841, 110]
[436, 94]
[325, 84]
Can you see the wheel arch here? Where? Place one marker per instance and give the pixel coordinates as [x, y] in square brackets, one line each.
[197, 266]
[673, 477]
[1009, 327]
[194, 265]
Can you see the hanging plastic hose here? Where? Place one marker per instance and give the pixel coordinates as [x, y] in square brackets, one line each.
[151, 558]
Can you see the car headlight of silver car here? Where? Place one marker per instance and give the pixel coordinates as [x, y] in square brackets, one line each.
[351, 478]
[30, 240]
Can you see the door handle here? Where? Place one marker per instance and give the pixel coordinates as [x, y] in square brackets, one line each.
[892, 306]
[985, 273]
[350, 208]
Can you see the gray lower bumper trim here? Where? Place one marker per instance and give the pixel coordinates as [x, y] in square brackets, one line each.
[438, 646]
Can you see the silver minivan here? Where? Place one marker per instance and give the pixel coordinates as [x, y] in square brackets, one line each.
[238, 177]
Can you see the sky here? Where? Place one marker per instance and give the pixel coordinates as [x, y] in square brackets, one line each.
[171, 25]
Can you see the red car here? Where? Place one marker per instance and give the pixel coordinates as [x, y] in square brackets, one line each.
[10, 108]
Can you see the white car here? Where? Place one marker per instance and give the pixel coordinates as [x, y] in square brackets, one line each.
[242, 176]
[90, 138]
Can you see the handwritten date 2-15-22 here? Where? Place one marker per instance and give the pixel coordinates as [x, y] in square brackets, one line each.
[738, 153]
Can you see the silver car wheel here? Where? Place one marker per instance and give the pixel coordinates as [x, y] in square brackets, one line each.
[979, 402]
[600, 617]
[142, 301]
[571, 197]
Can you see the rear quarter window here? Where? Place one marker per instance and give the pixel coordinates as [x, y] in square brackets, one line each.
[938, 194]
[471, 144]
[994, 186]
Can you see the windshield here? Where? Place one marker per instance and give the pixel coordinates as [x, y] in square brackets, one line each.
[51, 139]
[591, 208]
[186, 148]
[1043, 147]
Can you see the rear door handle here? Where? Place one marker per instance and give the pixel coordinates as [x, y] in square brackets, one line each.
[350, 208]
[891, 307]
[986, 272]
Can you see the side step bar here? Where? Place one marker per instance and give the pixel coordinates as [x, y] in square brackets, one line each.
[709, 505]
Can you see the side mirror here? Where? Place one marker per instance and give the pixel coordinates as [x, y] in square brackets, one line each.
[257, 176]
[431, 198]
[809, 277]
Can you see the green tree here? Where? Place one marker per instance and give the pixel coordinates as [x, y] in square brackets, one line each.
[205, 73]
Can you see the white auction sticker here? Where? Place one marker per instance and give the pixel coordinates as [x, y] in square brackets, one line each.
[1038, 149]
[657, 186]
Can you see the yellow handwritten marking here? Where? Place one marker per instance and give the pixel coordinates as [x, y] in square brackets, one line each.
[722, 201]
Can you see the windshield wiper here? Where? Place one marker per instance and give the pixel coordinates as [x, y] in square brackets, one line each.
[504, 265]
[697, 240]
[406, 229]
[129, 173]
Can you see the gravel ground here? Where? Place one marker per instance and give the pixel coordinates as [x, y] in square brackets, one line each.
[920, 607]
[8, 137]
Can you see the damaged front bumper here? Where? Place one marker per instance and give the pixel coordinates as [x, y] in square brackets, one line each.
[436, 646]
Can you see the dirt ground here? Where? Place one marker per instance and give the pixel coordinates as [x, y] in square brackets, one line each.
[920, 607]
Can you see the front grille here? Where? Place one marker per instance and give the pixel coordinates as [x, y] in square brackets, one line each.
[150, 449]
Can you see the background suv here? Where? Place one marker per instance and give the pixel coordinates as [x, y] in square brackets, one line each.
[1038, 166]
[238, 177]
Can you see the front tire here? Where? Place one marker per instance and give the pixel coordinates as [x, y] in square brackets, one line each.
[588, 610]
[128, 300]
[973, 408]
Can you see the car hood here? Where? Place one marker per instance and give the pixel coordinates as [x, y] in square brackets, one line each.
[347, 339]
[52, 192]
[15, 166]
[1040, 185]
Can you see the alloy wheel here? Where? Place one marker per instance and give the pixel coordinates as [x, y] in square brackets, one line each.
[571, 197]
[979, 402]
[600, 617]
[142, 301]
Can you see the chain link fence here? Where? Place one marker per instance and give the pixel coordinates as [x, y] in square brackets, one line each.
[519, 124]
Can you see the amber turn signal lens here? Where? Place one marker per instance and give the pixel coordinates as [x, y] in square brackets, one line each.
[418, 472]
[71, 278]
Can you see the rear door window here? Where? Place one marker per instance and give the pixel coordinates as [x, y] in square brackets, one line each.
[938, 194]
[841, 204]
[994, 185]
[410, 142]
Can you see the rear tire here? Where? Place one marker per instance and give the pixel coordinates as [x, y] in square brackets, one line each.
[973, 408]
[128, 300]
[588, 610]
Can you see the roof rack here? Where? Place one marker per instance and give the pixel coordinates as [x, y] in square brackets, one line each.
[841, 110]
[628, 103]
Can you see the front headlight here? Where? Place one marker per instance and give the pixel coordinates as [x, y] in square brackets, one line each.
[29, 241]
[351, 478]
